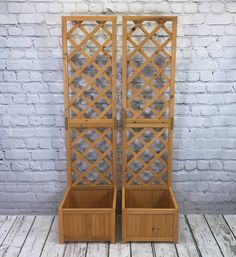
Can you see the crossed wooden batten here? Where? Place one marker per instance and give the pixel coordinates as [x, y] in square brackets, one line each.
[87, 210]
[149, 208]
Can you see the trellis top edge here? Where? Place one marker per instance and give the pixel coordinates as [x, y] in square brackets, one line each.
[88, 18]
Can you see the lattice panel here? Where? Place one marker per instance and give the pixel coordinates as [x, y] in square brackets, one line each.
[89, 53]
[148, 68]
[89, 57]
[91, 150]
[146, 153]
[149, 49]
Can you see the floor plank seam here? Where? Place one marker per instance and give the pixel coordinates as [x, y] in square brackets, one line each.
[8, 231]
[26, 236]
[193, 237]
[49, 230]
[213, 236]
[130, 249]
[153, 250]
[229, 226]
[176, 250]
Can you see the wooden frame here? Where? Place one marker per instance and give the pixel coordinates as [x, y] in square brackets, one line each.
[88, 208]
[149, 208]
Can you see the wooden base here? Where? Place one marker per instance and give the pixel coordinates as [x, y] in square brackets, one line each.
[87, 213]
[149, 214]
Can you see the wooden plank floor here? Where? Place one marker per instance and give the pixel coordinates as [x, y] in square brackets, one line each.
[199, 236]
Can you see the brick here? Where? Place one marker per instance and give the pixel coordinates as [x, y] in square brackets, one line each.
[19, 42]
[46, 42]
[55, 7]
[218, 8]
[218, 19]
[219, 87]
[231, 7]
[176, 8]
[8, 19]
[210, 99]
[28, 30]
[31, 18]
[23, 197]
[216, 165]
[190, 8]
[14, 31]
[32, 143]
[215, 50]
[203, 64]
[34, 87]
[192, 19]
[45, 143]
[230, 165]
[17, 155]
[10, 87]
[43, 154]
[206, 75]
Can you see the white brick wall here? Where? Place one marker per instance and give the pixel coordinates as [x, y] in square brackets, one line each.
[32, 154]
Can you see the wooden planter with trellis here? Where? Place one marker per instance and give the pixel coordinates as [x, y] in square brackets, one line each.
[149, 208]
[87, 210]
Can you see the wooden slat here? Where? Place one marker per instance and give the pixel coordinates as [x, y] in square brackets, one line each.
[186, 246]
[231, 221]
[222, 234]
[97, 249]
[165, 250]
[16, 236]
[203, 236]
[52, 248]
[6, 223]
[75, 250]
[141, 250]
[37, 236]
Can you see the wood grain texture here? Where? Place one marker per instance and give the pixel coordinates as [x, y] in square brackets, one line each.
[52, 248]
[6, 223]
[97, 249]
[36, 238]
[148, 77]
[141, 249]
[16, 237]
[203, 236]
[231, 221]
[222, 234]
[165, 250]
[75, 250]
[186, 246]
[90, 121]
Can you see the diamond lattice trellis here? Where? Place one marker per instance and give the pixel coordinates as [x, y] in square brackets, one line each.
[89, 49]
[149, 48]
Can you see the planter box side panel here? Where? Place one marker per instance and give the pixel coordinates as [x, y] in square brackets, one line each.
[87, 227]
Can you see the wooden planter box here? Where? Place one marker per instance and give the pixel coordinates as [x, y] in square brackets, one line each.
[149, 215]
[87, 214]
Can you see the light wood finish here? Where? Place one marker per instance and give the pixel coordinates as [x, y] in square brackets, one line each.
[87, 210]
[149, 208]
